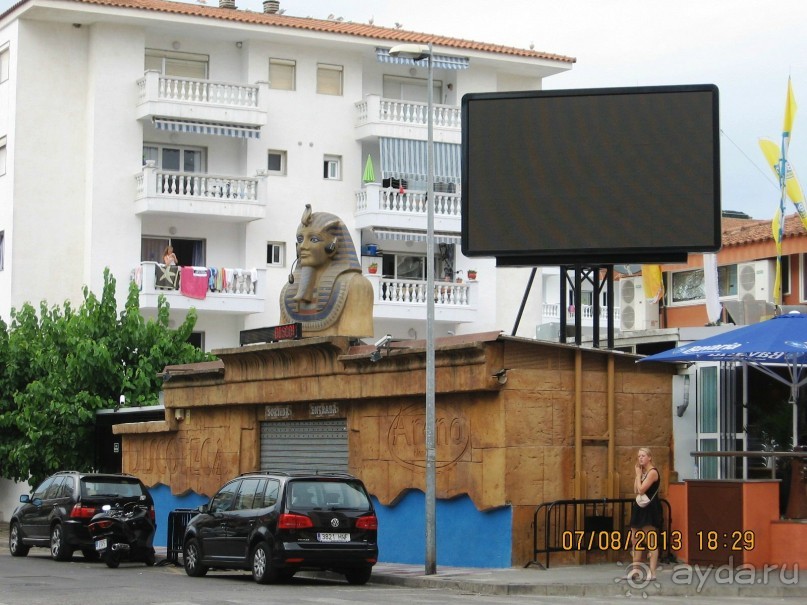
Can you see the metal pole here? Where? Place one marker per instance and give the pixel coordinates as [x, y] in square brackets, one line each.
[431, 532]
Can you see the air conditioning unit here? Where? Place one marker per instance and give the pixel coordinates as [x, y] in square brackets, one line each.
[755, 280]
[635, 311]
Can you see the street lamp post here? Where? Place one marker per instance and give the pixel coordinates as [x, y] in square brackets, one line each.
[418, 52]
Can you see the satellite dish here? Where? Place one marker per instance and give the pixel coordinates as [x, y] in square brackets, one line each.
[628, 269]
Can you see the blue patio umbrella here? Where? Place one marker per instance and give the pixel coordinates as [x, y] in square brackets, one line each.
[781, 341]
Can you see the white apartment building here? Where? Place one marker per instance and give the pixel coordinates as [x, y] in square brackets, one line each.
[129, 125]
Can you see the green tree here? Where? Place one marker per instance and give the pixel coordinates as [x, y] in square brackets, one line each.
[60, 366]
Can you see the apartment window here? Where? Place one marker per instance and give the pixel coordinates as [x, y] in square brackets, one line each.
[276, 162]
[197, 339]
[412, 89]
[275, 254]
[332, 167]
[175, 157]
[5, 60]
[404, 266]
[190, 252]
[688, 286]
[3, 155]
[282, 74]
[181, 65]
[2, 248]
[329, 79]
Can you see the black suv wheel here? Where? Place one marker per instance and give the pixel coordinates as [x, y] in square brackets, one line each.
[262, 570]
[58, 549]
[358, 576]
[15, 544]
[192, 558]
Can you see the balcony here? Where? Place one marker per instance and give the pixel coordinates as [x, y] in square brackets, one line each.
[406, 299]
[552, 311]
[209, 196]
[379, 117]
[378, 206]
[206, 101]
[243, 294]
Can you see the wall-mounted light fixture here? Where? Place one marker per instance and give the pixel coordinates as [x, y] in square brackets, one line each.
[501, 376]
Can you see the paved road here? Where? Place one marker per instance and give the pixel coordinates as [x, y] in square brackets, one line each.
[38, 580]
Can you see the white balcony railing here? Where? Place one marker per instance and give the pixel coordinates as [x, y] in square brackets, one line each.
[192, 100]
[374, 198]
[410, 291]
[192, 90]
[375, 109]
[552, 311]
[231, 291]
[201, 194]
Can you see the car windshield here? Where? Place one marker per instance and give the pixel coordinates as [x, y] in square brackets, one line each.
[110, 487]
[331, 495]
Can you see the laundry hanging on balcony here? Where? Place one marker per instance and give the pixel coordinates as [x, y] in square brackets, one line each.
[402, 235]
[225, 130]
[438, 61]
[407, 159]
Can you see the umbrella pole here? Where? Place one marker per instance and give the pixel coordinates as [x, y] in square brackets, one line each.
[745, 418]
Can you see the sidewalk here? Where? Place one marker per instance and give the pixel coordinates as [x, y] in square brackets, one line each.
[601, 580]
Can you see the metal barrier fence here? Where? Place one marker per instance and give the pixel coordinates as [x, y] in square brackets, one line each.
[177, 522]
[601, 525]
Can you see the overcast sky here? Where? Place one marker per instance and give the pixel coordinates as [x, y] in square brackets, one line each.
[748, 48]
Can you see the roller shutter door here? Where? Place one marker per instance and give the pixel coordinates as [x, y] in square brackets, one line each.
[307, 445]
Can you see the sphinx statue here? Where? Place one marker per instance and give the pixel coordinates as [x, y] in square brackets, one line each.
[327, 292]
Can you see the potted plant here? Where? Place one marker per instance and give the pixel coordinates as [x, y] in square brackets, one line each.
[373, 268]
[471, 273]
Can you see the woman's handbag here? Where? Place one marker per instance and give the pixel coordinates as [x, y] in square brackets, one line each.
[642, 500]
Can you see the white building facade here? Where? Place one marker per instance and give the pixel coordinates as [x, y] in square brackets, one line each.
[126, 127]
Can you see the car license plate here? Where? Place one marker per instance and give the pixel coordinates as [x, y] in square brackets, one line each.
[100, 544]
[322, 537]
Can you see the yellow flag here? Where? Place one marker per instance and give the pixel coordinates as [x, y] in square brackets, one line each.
[652, 283]
[771, 151]
[790, 116]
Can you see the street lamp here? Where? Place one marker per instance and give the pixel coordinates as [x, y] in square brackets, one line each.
[416, 52]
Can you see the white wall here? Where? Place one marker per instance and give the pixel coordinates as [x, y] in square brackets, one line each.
[10, 492]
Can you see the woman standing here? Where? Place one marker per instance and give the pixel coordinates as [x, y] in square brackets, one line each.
[646, 520]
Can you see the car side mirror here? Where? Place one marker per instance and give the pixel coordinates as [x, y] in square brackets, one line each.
[25, 498]
[203, 508]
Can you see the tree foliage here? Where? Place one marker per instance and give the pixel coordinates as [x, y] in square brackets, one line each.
[59, 366]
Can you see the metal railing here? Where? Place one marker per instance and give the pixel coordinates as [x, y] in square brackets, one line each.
[600, 524]
[177, 522]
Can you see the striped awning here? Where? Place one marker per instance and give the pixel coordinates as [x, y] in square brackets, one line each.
[407, 159]
[402, 235]
[211, 128]
[438, 61]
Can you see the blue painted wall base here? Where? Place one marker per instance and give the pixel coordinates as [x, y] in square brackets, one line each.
[466, 537]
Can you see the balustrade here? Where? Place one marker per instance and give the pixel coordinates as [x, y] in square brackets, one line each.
[407, 291]
[374, 198]
[163, 183]
[375, 108]
[193, 90]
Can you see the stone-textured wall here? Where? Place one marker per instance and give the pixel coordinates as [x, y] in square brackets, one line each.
[502, 444]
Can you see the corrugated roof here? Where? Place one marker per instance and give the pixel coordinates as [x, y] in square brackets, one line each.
[346, 28]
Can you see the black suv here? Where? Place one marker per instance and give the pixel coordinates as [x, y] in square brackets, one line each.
[56, 515]
[277, 524]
